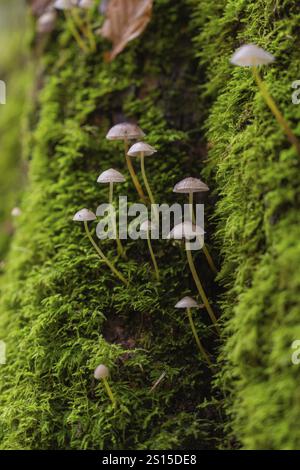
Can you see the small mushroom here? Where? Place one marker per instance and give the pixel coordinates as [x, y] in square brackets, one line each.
[126, 131]
[188, 231]
[16, 212]
[102, 373]
[147, 226]
[85, 216]
[190, 186]
[46, 22]
[110, 177]
[188, 303]
[250, 55]
[142, 150]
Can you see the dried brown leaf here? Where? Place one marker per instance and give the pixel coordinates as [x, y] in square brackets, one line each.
[125, 21]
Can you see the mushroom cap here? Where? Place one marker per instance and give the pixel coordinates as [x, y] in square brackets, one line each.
[111, 176]
[64, 4]
[250, 55]
[16, 212]
[46, 22]
[84, 215]
[125, 131]
[190, 185]
[186, 230]
[147, 225]
[141, 147]
[187, 302]
[101, 372]
[86, 3]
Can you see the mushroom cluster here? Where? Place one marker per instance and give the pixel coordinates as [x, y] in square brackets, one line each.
[186, 231]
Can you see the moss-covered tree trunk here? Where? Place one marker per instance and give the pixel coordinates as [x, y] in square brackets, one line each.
[63, 313]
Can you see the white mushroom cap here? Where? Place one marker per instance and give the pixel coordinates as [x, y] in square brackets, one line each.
[111, 176]
[101, 372]
[86, 3]
[84, 216]
[141, 147]
[64, 4]
[46, 22]
[186, 230]
[190, 185]
[125, 131]
[250, 55]
[16, 212]
[147, 226]
[187, 302]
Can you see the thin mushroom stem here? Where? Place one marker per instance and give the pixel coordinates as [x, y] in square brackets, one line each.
[103, 257]
[197, 339]
[150, 194]
[205, 249]
[109, 391]
[200, 288]
[134, 178]
[74, 31]
[152, 255]
[115, 229]
[274, 108]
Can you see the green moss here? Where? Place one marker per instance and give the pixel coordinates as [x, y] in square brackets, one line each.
[255, 173]
[62, 311]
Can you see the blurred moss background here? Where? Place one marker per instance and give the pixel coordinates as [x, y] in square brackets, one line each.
[15, 72]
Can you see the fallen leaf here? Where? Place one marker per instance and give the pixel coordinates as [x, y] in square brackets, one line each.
[125, 21]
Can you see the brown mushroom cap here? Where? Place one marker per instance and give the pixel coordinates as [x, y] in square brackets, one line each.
[111, 176]
[141, 148]
[190, 185]
[101, 372]
[84, 215]
[187, 302]
[125, 131]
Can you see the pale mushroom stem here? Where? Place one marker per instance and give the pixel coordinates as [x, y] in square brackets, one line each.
[197, 339]
[134, 178]
[205, 249]
[152, 255]
[74, 31]
[150, 194]
[200, 288]
[119, 244]
[109, 391]
[274, 108]
[103, 257]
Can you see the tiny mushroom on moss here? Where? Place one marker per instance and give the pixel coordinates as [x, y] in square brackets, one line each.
[127, 131]
[85, 216]
[188, 303]
[251, 55]
[188, 231]
[74, 21]
[190, 186]
[102, 373]
[110, 177]
[147, 226]
[142, 150]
